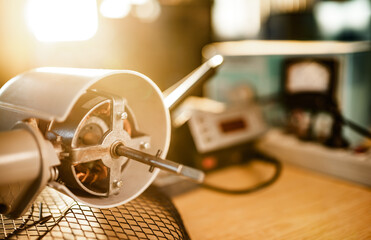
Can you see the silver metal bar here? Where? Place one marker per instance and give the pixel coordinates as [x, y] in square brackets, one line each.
[164, 164]
[176, 93]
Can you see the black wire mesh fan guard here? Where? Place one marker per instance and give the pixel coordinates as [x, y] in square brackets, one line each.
[152, 215]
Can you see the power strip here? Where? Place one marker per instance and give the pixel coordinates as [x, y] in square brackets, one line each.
[341, 163]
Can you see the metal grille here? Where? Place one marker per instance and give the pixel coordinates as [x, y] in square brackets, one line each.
[150, 216]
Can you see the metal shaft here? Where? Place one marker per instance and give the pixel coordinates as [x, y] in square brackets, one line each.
[164, 164]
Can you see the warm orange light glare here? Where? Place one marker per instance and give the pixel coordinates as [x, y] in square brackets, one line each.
[115, 8]
[148, 11]
[62, 20]
[237, 19]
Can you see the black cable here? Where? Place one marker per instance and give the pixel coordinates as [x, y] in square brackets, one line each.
[23, 225]
[257, 156]
[56, 223]
[357, 128]
[354, 126]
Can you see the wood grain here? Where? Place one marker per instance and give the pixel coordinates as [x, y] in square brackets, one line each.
[300, 205]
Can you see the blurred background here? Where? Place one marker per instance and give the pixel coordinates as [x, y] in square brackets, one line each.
[294, 73]
[161, 38]
[166, 39]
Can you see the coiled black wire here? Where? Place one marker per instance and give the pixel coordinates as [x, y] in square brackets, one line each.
[256, 156]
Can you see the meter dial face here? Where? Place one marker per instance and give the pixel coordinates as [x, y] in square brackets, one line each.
[307, 76]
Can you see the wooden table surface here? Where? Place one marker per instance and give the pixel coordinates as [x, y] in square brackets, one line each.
[300, 205]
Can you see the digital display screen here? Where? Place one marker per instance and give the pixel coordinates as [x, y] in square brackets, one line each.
[307, 76]
[233, 125]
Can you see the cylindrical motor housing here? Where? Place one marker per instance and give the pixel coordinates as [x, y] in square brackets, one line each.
[51, 94]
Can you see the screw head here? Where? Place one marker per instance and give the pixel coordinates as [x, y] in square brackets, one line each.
[118, 184]
[145, 145]
[124, 115]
